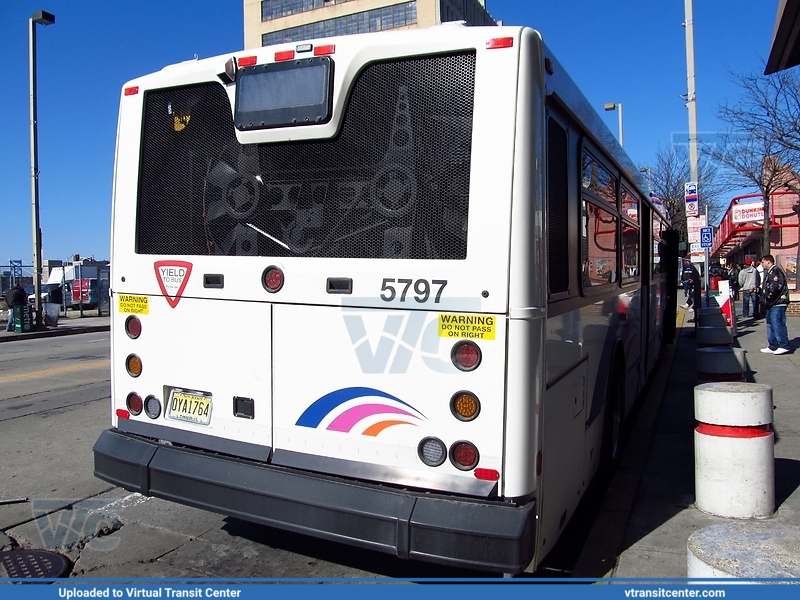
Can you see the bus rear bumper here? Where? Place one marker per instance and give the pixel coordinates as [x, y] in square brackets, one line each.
[454, 531]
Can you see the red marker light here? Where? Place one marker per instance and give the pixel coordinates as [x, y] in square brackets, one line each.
[504, 42]
[324, 50]
[284, 55]
[487, 474]
[272, 279]
[246, 61]
[123, 414]
[131, 91]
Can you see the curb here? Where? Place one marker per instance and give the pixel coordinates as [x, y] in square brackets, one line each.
[34, 335]
[598, 559]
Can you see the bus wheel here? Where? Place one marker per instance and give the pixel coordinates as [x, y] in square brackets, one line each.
[611, 449]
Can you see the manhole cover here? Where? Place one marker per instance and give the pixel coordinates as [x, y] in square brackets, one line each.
[26, 564]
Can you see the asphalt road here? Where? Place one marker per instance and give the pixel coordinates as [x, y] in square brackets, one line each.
[54, 402]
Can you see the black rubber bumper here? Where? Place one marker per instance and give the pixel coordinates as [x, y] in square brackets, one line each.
[477, 534]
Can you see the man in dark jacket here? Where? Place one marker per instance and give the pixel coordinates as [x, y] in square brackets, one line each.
[18, 297]
[776, 299]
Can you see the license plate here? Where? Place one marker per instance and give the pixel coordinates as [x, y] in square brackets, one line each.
[194, 407]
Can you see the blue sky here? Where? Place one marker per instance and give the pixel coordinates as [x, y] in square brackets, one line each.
[627, 51]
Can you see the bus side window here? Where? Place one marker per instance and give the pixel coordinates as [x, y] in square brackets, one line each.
[557, 208]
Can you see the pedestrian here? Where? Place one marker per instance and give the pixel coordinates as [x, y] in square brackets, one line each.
[733, 278]
[18, 297]
[775, 299]
[686, 278]
[749, 283]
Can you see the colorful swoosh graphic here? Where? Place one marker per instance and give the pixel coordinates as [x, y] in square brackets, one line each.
[349, 418]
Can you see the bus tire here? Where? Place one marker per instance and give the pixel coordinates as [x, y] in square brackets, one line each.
[613, 420]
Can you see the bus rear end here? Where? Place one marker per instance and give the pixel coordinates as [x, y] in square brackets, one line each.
[310, 287]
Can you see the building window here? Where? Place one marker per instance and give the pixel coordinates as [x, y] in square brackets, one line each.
[274, 9]
[378, 19]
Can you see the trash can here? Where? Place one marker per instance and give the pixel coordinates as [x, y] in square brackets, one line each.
[51, 312]
[23, 319]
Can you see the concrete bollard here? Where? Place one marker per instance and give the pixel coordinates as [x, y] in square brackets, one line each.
[734, 456]
[710, 337]
[762, 550]
[713, 319]
[720, 364]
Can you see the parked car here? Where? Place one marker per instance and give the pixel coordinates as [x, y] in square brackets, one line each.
[50, 292]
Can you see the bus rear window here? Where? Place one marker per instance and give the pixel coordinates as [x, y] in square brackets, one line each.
[394, 183]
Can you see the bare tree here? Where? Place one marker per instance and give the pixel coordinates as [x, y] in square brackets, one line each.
[763, 143]
[671, 170]
[756, 160]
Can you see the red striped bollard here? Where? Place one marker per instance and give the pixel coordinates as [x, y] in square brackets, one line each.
[734, 453]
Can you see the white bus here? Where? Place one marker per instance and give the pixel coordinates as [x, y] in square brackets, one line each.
[396, 290]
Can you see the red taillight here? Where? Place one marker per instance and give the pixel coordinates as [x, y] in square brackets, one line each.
[487, 474]
[134, 403]
[131, 91]
[503, 42]
[466, 356]
[272, 279]
[123, 414]
[324, 50]
[133, 327]
[284, 55]
[464, 456]
[246, 61]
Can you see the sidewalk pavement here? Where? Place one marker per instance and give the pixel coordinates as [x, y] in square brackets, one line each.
[72, 324]
[648, 513]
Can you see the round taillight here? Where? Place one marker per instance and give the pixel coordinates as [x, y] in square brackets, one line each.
[134, 403]
[466, 356]
[272, 279]
[133, 327]
[464, 455]
[152, 407]
[133, 364]
[432, 451]
[465, 406]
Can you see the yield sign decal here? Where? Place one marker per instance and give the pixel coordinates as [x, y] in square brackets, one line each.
[172, 276]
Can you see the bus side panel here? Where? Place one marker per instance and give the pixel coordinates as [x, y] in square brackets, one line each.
[357, 389]
[523, 406]
[563, 450]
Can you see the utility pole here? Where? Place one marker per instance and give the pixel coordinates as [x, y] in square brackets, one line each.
[691, 104]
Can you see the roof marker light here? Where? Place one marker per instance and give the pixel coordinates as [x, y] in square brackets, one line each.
[284, 55]
[131, 91]
[246, 61]
[325, 50]
[503, 42]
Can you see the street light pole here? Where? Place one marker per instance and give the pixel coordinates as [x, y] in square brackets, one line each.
[42, 18]
[618, 107]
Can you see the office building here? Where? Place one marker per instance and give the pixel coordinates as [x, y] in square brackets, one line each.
[268, 22]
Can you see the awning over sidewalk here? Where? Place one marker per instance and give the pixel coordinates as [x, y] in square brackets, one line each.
[743, 224]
